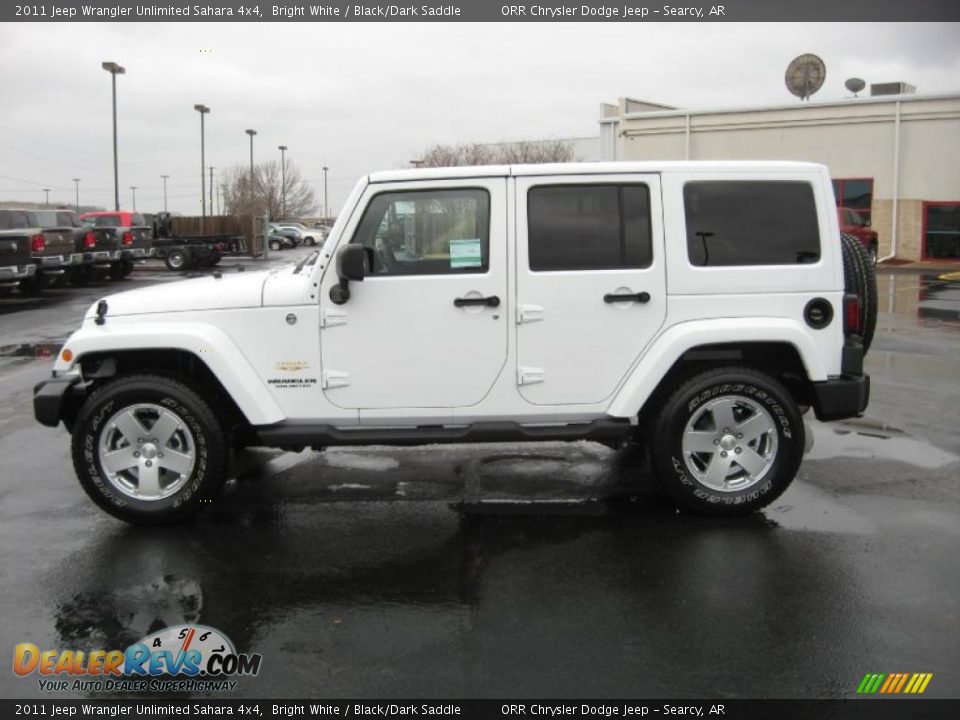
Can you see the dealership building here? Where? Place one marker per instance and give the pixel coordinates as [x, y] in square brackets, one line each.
[894, 158]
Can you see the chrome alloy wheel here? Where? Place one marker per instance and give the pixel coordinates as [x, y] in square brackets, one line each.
[730, 443]
[147, 452]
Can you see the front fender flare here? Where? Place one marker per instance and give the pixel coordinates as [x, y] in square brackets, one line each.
[669, 346]
[211, 345]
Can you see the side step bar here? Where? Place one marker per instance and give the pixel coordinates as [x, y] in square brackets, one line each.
[290, 434]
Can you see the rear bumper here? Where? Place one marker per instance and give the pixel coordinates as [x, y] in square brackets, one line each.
[841, 397]
[57, 262]
[11, 273]
[48, 398]
[136, 252]
[845, 395]
[101, 257]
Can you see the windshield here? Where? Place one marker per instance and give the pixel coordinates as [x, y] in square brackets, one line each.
[47, 218]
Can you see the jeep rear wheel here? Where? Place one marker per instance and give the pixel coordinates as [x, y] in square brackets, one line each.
[148, 449]
[728, 442]
[860, 278]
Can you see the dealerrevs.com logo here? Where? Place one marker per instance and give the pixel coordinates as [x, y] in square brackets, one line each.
[183, 658]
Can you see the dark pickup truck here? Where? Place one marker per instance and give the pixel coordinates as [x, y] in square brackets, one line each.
[16, 264]
[51, 249]
[183, 252]
[136, 237]
[100, 247]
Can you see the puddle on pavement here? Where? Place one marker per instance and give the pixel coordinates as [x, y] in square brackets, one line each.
[865, 438]
[932, 298]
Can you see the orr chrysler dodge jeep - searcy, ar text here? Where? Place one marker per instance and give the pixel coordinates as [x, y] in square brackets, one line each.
[697, 308]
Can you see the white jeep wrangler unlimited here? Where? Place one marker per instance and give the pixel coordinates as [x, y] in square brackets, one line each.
[696, 308]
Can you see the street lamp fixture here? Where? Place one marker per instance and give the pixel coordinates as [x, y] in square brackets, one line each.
[114, 70]
[203, 110]
[283, 180]
[47, 201]
[76, 182]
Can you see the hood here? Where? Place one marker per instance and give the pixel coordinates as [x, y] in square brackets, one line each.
[239, 290]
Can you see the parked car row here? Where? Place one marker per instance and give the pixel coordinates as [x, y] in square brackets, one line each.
[284, 235]
[40, 248]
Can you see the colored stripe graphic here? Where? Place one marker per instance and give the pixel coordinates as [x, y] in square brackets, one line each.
[894, 683]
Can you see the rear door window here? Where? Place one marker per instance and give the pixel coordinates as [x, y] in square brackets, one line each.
[748, 222]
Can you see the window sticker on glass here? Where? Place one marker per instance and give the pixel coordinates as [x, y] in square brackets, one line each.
[465, 253]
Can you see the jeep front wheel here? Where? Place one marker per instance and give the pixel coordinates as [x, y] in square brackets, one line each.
[148, 450]
[728, 442]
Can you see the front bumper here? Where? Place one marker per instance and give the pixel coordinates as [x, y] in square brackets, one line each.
[11, 273]
[48, 398]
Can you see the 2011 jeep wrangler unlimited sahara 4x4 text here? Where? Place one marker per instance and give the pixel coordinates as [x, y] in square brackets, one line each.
[696, 308]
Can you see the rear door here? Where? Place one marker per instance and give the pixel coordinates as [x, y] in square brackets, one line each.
[591, 288]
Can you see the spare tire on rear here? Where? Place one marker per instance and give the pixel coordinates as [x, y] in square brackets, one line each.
[860, 279]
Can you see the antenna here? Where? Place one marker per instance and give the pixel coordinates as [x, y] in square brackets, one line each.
[805, 75]
[854, 85]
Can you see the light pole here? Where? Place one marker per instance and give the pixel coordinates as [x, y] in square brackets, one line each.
[325, 215]
[134, 189]
[283, 180]
[251, 133]
[211, 189]
[76, 182]
[47, 201]
[114, 70]
[203, 110]
[164, 178]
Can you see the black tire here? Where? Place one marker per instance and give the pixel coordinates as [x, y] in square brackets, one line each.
[177, 260]
[747, 392]
[80, 276]
[860, 278]
[120, 270]
[206, 436]
[34, 286]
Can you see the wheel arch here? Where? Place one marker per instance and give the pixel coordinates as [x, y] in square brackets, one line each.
[781, 349]
[205, 357]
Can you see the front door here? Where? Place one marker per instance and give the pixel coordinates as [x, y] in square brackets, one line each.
[591, 287]
[426, 327]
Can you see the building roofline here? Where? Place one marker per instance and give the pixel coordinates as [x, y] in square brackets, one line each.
[846, 102]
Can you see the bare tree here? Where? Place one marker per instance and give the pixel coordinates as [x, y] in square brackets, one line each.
[508, 153]
[267, 193]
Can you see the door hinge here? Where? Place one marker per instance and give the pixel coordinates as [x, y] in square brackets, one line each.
[529, 314]
[330, 317]
[335, 379]
[529, 375]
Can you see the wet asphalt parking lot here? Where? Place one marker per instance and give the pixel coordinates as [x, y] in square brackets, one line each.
[538, 570]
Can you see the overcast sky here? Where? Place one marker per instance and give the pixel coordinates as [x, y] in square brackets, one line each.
[363, 97]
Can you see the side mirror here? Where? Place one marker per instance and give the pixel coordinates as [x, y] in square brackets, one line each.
[353, 263]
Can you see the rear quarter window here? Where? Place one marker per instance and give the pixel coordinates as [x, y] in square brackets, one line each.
[751, 222]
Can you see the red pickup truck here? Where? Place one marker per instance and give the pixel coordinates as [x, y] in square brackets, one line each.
[853, 223]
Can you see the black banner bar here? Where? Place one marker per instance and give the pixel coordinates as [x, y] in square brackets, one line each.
[482, 11]
[857, 709]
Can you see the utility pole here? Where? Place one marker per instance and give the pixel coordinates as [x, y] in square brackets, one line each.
[76, 182]
[134, 188]
[203, 110]
[325, 212]
[283, 181]
[251, 133]
[114, 70]
[211, 189]
[164, 178]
